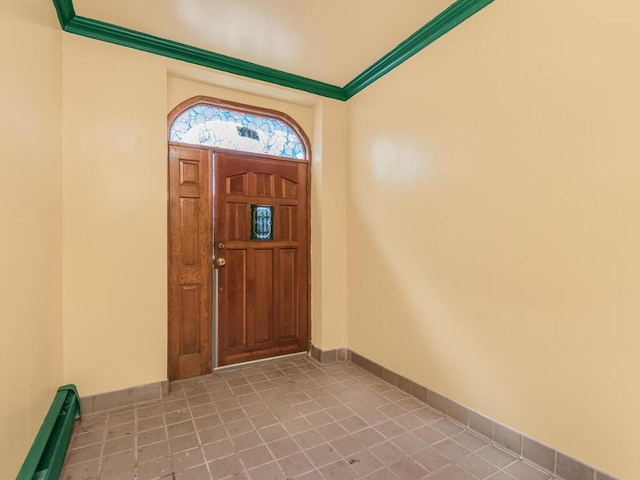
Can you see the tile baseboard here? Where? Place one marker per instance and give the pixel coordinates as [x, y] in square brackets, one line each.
[155, 391]
[328, 356]
[556, 463]
[124, 397]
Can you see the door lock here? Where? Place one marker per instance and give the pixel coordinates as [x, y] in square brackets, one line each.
[220, 262]
[222, 245]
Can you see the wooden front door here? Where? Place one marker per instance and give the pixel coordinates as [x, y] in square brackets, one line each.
[261, 238]
[261, 235]
[189, 262]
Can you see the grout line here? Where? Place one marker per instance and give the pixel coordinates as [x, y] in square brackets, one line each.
[103, 445]
[462, 425]
[348, 384]
[196, 431]
[166, 431]
[135, 441]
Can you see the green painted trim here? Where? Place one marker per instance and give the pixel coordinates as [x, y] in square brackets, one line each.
[148, 43]
[65, 11]
[125, 37]
[436, 28]
[454, 15]
[46, 455]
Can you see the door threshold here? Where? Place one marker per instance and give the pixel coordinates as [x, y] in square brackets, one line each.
[260, 361]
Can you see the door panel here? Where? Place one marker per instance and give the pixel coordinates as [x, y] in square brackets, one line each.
[190, 320]
[236, 221]
[189, 262]
[288, 283]
[272, 275]
[289, 188]
[287, 222]
[237, 184]
[234, 301]
[264, 185]
[262, 296]
[189, 232]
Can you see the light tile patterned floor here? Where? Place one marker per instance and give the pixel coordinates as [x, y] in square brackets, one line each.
[290, 419]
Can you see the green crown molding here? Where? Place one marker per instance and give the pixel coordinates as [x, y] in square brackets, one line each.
[125, 37]
[450, 18]
[65, 11]
[457, 13]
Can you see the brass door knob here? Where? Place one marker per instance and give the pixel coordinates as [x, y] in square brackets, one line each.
[220, 262]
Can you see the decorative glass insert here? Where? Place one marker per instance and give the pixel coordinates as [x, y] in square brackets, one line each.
[262, 222]
[212, 126]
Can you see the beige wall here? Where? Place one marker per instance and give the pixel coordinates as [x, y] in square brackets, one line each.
[493, 223]
[116, 102]
[31, 215]
[115, 233]
[329, 226]
[490, 197]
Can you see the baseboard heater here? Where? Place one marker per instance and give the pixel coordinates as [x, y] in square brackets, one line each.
[46, 456]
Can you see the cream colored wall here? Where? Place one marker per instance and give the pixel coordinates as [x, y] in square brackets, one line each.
[115, 227]
[31, 215]
[493, 223]
[491, 242]
[329, 226]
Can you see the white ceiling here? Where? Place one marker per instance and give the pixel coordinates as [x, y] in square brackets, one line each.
[330, 41]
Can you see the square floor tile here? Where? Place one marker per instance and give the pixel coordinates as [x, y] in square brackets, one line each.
[287, 419]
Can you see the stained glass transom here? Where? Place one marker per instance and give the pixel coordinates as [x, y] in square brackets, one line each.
[213, 126]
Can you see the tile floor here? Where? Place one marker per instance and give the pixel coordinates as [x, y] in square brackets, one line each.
[291, 419]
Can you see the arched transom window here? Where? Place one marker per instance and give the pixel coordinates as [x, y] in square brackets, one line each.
[224, 127]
